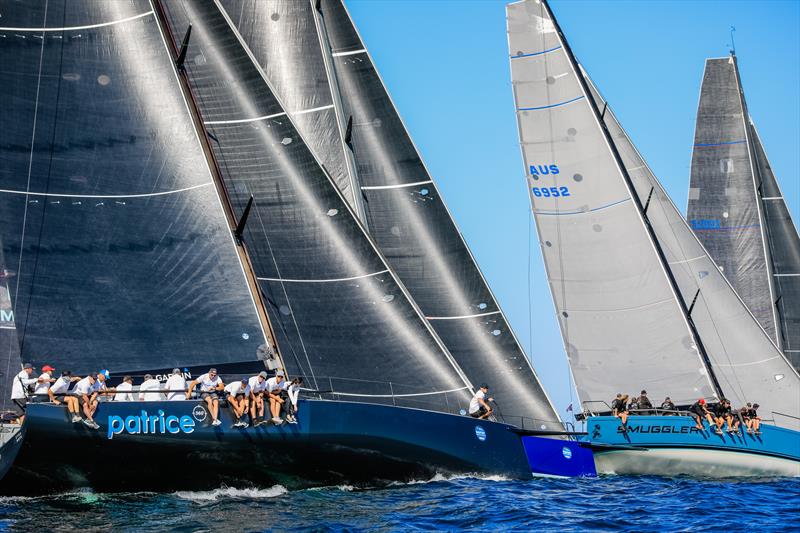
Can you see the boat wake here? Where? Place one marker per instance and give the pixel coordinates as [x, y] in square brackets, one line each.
[229, 493]
[439, 478]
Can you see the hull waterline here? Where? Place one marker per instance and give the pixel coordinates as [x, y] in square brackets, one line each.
[10, 444]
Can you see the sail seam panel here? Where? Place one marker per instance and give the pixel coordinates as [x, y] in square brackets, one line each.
[141, 195]
[462, 316]
[76, 28]
[536, 53]
[333, 280]
[581, 211]
[551, 105]
[398, 186]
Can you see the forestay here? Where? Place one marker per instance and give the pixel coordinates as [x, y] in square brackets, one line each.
[747, 364]
[622, 326]
[341, 318]
[117, 251]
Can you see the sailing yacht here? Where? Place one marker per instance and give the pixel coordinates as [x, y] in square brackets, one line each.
[738, 211]
[182, 220]
[640, 302]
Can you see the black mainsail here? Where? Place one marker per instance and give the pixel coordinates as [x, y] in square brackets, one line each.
[340, 316]
[639, 301]
[396, 196]
[118, 254]
[737, 210]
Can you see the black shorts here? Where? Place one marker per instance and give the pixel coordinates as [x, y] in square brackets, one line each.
[213, 395]
[84, 399]
[20, 404]
[479, 413]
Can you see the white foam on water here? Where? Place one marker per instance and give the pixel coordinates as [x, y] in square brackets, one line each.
[205, 496]
[438, 478]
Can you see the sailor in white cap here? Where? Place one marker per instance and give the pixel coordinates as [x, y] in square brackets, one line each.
[176, 386]
[256, 386]
[274, 389]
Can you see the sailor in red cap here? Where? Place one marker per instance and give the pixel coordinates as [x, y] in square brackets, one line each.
[699, 410]
[43, 384]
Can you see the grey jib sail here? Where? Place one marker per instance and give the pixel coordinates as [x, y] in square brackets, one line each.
[635, 291]
[737, 209]
[117, 252]
[341, 318]
[316, 58]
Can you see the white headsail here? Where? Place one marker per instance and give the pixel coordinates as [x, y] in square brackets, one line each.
[623, 266]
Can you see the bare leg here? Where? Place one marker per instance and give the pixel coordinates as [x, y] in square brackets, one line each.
[210, 403]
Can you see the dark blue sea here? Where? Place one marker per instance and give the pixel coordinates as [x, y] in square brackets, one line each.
[454, 504]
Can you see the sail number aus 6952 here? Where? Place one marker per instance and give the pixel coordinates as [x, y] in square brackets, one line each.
[548, 192]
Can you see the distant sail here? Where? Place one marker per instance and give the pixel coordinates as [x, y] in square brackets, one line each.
[784, 251]
[109, 219]
[614, 267]
[724, 209]
[341, 318]
[404, 210]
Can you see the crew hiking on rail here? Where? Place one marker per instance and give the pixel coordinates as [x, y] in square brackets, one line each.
[82, 395]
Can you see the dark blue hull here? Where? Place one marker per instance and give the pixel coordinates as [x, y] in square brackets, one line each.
[10, 448]
[171, 445]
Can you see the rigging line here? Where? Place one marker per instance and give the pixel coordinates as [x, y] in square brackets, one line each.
[285, 294]
[536, 53]
[703, 145]
[142, 195]
[684, 261]
[462, 316]
[351, 53]
[30, 167]
[400, 395]
[551, 105]
[785, 275]
[333, 280]
[74, 28]
[398, 186]
[312, 110]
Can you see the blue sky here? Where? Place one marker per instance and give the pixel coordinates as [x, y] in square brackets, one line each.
[446, 66]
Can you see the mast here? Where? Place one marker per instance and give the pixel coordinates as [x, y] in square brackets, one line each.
[637, 203]
[757, 183]
[345, 127]
[234, 225]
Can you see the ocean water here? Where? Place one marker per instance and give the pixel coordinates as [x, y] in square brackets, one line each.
[613, 503]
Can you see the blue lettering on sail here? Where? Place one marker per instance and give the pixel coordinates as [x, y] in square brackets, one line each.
[542, 170]
[705, 223]
[550, 192]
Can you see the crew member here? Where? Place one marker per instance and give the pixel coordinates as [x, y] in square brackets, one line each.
[700, 411]
[150, 390]
[99, 386]
[720, 411]
[255, 390]
[21, 382]
[755, 420]
[124, 390]
[667, 406]
[293, 391]
[619, 408]
[59, 392]
[237, 400]
[210, 387]
[84, 391]
[43, 384]
[176, 386]
[478, 406]
[273, 391]
[644, 402]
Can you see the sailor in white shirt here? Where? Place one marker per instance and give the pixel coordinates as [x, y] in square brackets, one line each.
[176, 385]
[59, 392]
[150, 384]
[21, 382]
[237, 400]
[274, 389]
[478, 408]
[293, 392]
[43, 384]
[84, 390]
[210, 387]
[256, 386]
[124, 390]
[99, 386]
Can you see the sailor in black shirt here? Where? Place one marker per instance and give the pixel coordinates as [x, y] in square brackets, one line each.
[644, 402]
[667, 405]
[720, 414]
[619, 408]
[699, 410]
[755, 420]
